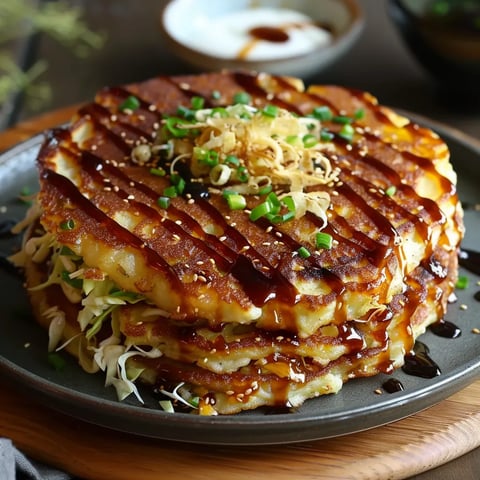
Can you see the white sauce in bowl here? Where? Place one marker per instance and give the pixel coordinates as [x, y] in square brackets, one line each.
[228, 36]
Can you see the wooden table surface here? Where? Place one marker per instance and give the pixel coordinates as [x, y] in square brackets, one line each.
[379, 63]
[396, 451]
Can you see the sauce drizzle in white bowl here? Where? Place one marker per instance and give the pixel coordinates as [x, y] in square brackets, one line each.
[257, 34]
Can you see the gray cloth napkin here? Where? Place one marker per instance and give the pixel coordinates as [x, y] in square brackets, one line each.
[14, 465]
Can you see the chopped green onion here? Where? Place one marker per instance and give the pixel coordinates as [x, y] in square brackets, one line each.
[185, 112]
[172, 126]
[216, 95]
[242, 97]
[347, 132]
[219, 112]
[277, 218]
[260, 211]
[303, 252]
[264, 190]
[130, 103]
[309, 140]
[462, 282]
[236, 201]
[178, 181]
[391, 190]
[323, 240]
[342, 119]
[159, 172]
[68, 225]
[232, 159]
[242, 174]
[56, 361]
[322, 113]
[292, 139]
[289, 203]
[274, 202]
[270, 111]
[197, 102]
[326, 136]
[211, 158]
[163, 202]
[170, 192]
[359, 114]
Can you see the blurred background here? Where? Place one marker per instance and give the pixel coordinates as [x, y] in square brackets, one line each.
[129, 47]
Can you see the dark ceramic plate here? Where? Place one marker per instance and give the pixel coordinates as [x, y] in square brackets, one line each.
[23, 357]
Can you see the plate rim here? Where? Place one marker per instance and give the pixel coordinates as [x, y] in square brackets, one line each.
[181, 423]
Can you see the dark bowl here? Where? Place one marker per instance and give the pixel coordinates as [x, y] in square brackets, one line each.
[444, 36]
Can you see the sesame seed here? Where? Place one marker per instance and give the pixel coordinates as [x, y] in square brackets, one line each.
[248, 391]
[131, 197]
[152, 107]
[222, 238]
[378, 391]
[200, 262]
[463, 307]
[184, 86]
[245, 248]
[269, 229]
[176, 237]
[178, 222]
[230, 392]
[476, 331]
[113, 118]
[191, 201]
[279, 234]
[202, 278]
[266, 244]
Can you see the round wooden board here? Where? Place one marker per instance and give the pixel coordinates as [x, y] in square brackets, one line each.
[395, 451]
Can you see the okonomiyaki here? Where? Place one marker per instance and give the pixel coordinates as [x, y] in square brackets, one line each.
[234, 240]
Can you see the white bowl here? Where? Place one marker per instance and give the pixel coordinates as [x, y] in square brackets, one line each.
[212, 35]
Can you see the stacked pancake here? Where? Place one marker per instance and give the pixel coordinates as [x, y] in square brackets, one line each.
[236, 241]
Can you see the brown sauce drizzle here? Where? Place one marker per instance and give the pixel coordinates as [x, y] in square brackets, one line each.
[267, 33]
[393, 385]
[419, 364]
[470, 260]
[445, 329]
